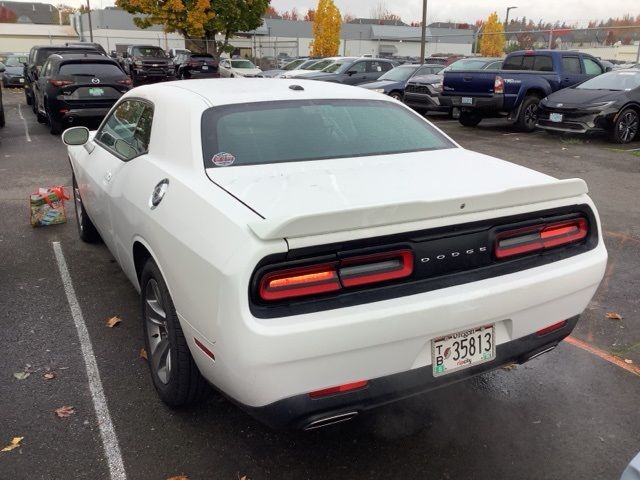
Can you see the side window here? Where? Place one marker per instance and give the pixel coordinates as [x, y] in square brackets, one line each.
[571, 65]
[127, 130]
[386, 66]
[46, 69]
[494, 66]
[358, 67]
[374, 66]
[514, 62]
[591, 67]
[543, 63]
[527, 62]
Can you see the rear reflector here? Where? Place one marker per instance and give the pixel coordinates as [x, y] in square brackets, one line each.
[540, 237]
[551, 328]
[297, 282]
[347, 387]
[126, 81]
[208, 352]
[329, 277]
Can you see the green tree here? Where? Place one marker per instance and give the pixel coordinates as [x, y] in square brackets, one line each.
[326, 29]
[216, 21]
[492, 40]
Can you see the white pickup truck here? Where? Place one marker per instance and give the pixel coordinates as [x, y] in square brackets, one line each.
[315, 250]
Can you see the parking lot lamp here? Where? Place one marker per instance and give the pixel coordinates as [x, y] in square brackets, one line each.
[506, 18]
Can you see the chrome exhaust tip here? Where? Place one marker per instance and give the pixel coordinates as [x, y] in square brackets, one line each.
[332, 420]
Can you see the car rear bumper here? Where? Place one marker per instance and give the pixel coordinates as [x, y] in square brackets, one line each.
[494, 103]
[82, 115]
[304, 412]
[196, 75]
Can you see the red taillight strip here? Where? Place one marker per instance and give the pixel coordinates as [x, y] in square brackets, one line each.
[375, 268]
[297, 282]
[347, 387]
[551, 328]
[540, 237]
[201, 346]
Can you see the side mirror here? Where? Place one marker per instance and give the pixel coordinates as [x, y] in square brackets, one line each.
[75, 136]
[2, 67]
[608, 69]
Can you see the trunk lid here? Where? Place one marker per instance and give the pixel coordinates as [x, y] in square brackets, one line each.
[472, 83]
[298, 199]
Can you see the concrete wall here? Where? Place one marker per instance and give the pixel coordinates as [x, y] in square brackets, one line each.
[109, 38]
[17, 37]
[627, 53]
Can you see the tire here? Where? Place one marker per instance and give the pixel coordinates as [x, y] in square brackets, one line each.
[626, 126]
[469, 119]
[86, 229]
[55, 127]
[396, 95]
[28, 97]
[42, 118]
[173, 371]
[2, 121]
[528, 116]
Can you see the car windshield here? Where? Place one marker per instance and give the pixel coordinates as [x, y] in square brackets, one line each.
[399, 74]
[148, 52]
[297, 130]
[612, 81]
[295, 65]
[90, 69]
[15, 61]
[320, 65]
[307, 64]
[336, 67]
[242, 64]
[467, 64]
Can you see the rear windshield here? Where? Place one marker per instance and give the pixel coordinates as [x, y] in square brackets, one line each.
[400, 74]
[148, 52]
[467, 64]
[90, 69]
[293, 65]
[44, 53]
[242, 64]
[297, 130]
[538, 63]
[613, 81]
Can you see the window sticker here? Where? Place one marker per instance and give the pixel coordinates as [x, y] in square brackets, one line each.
[223, 159]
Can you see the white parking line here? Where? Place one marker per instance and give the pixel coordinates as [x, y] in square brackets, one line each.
[107, 431]
[26, 127]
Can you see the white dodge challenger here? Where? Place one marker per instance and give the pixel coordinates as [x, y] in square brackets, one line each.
[315, 250]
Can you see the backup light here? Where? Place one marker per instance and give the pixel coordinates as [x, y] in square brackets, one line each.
[540, 237]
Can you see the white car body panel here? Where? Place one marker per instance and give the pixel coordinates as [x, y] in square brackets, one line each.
[207, 243]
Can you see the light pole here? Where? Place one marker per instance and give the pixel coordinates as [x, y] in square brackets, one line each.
[506, 18]
[90, 25]
[423, 38]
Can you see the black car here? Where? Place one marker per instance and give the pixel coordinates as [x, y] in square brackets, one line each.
[13, 75]
[90, 45]
[607, 103]
[1, 106]
[147, 64]
[37, 56]
[77, 89]
[196, 65]
[393, 82]
[353, 70]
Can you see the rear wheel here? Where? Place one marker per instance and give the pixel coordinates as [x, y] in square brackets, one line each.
[2, 121]
[86, 230]
[396, 95]
[173, 371]
[469, 119]
[528, 116]
[42, 118]
[626, 126]
[28, 97]
[55, 126]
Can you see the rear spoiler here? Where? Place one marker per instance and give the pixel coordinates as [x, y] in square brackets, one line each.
[319, 223]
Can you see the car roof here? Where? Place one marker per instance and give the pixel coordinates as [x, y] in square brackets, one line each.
[84, 56]
[226, 91]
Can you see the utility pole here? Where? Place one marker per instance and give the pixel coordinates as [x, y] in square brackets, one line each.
[423, 39]
[551, 38]
[90, 25]
[638, 54]
[506, 18]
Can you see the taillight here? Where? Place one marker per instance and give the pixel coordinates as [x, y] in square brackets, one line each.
[540, 237]
[498, 85]
[330, 277]
[347, 387]
[551, 328]
[60, 83]
[126, 81]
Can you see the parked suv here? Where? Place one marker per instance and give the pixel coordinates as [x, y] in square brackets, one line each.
[195, 65]
[147, 64]
[77, 88]
[13, 75]
[353, 71]
[37, 56]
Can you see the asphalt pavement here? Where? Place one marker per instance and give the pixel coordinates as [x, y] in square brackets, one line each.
[571, 414]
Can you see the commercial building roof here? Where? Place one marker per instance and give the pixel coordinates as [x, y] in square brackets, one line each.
[21, 12]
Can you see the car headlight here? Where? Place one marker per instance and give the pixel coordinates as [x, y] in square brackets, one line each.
[437, 87]
[378, 90]
[138, 63]
[599, 105]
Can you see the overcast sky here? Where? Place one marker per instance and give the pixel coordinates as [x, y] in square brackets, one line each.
[571, 11]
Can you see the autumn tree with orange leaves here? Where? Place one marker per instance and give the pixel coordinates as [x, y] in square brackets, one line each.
[492, 40]
[326, 29]
[214, 20]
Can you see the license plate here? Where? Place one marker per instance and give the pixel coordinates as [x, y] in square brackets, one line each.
[22, 80]
[96, 92]
[555, 117]
[461, 350]
[204, 67]
[466, 100]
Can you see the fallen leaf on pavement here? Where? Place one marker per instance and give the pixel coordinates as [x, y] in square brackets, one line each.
[113, 321]
[178, 477]
[65, 411]
[22, 375]
[14, 443]
[509, 366]
[613, 316]
[50, 375]
[627, 360]
[143, 354]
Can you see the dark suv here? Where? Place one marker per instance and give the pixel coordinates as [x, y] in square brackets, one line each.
[353, 71]
[195, 65]
[37, 56]
[77, 88]
[148, 64]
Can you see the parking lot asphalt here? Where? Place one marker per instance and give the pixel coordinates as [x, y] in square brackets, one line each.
[570, 414]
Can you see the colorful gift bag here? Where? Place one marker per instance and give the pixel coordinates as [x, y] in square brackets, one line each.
[47, 206]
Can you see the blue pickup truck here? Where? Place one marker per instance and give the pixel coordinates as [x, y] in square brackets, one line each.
[515, 91]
